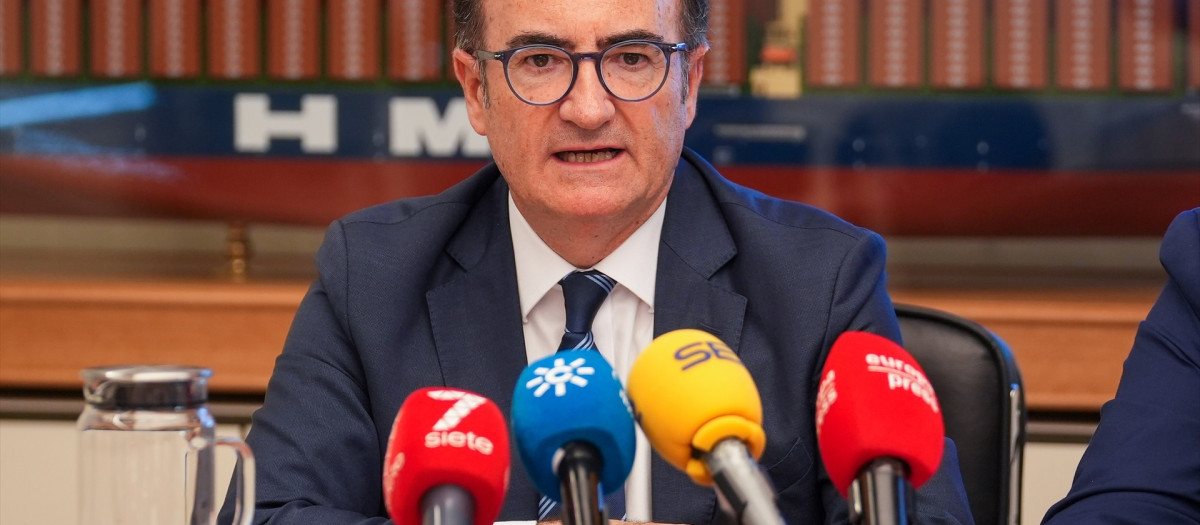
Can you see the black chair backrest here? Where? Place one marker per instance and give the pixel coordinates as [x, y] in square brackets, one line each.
[979, 388]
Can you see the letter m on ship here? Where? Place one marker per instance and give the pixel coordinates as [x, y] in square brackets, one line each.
[417, 129]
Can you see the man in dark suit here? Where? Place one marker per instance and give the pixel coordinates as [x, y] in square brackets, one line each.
[1143, 463]
[585, 111]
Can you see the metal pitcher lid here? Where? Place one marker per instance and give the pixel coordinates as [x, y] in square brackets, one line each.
[143, 387]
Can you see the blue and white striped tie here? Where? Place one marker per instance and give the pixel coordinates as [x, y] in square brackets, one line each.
[583, 293]
[614, 505]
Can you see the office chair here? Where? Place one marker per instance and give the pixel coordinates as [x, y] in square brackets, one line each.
[982, 397]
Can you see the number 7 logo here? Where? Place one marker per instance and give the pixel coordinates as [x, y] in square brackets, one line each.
[464, 404]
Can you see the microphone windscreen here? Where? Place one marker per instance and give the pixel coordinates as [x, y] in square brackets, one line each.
[690, 391]
[446, 436]
[572, 396]
[875, 402]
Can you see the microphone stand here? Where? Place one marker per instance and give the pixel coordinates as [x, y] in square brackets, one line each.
[881, 494]
[447, 505]
[742, 491]
[579, 480]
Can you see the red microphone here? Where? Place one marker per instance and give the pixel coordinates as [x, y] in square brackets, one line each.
[447, 459]
[879, 426]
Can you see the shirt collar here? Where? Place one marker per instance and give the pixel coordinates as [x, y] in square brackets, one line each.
[633, 264]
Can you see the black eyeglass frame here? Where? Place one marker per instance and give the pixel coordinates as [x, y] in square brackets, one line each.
[503, 57]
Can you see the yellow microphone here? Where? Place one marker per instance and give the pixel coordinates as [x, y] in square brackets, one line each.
[701, 411]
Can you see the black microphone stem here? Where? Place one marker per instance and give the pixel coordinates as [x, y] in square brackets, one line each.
[881, 495]
[579, 480]
[447, 505]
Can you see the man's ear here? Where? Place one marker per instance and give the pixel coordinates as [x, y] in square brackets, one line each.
[695, 73]
[471, 78]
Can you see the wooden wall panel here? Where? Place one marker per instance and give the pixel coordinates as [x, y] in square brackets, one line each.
[53, 329]
[1069, 343]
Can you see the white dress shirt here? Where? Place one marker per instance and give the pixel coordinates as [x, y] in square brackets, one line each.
[623, 326]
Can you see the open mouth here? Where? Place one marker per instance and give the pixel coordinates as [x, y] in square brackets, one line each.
[599, 155]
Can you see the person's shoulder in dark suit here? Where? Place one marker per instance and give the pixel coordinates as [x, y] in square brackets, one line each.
[1143, 463]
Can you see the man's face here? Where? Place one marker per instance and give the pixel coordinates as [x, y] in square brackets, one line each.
[589, 155]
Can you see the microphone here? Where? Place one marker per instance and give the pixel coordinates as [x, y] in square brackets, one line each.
[879, 427]
[700, 410]
[447, 459]
[574, 431]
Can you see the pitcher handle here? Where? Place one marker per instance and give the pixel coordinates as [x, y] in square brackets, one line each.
[243, 509]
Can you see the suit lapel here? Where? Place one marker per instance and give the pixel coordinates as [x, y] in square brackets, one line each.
[486, 354]
[696, 243]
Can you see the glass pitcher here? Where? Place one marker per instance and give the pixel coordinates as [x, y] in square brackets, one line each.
[146, 449]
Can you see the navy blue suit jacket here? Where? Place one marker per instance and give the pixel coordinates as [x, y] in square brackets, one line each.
[1143, 463]
[422, 292]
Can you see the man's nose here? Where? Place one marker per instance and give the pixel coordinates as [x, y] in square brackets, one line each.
[588, 105]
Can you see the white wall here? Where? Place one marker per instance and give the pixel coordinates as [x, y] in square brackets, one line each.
[1049, 468]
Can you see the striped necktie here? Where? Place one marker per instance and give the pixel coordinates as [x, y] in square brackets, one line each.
[583, 293]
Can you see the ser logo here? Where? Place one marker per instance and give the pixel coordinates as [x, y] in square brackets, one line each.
[444, 435]
[695, 353]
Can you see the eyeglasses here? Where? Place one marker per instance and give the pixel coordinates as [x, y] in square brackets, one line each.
[542, 74]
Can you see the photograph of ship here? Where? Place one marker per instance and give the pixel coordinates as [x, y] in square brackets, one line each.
[912, 117]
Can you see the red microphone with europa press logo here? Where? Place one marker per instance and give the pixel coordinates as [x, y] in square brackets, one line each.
[879, 427]
[447, 459]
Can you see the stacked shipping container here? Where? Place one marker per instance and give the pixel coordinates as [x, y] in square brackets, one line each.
[1021, 45]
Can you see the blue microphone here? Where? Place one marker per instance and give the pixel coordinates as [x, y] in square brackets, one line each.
[574, 431]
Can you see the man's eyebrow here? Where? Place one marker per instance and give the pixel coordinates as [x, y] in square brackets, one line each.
[635, 34]
[530, 38]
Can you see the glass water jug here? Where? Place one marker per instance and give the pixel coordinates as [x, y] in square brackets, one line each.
[146, 449]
